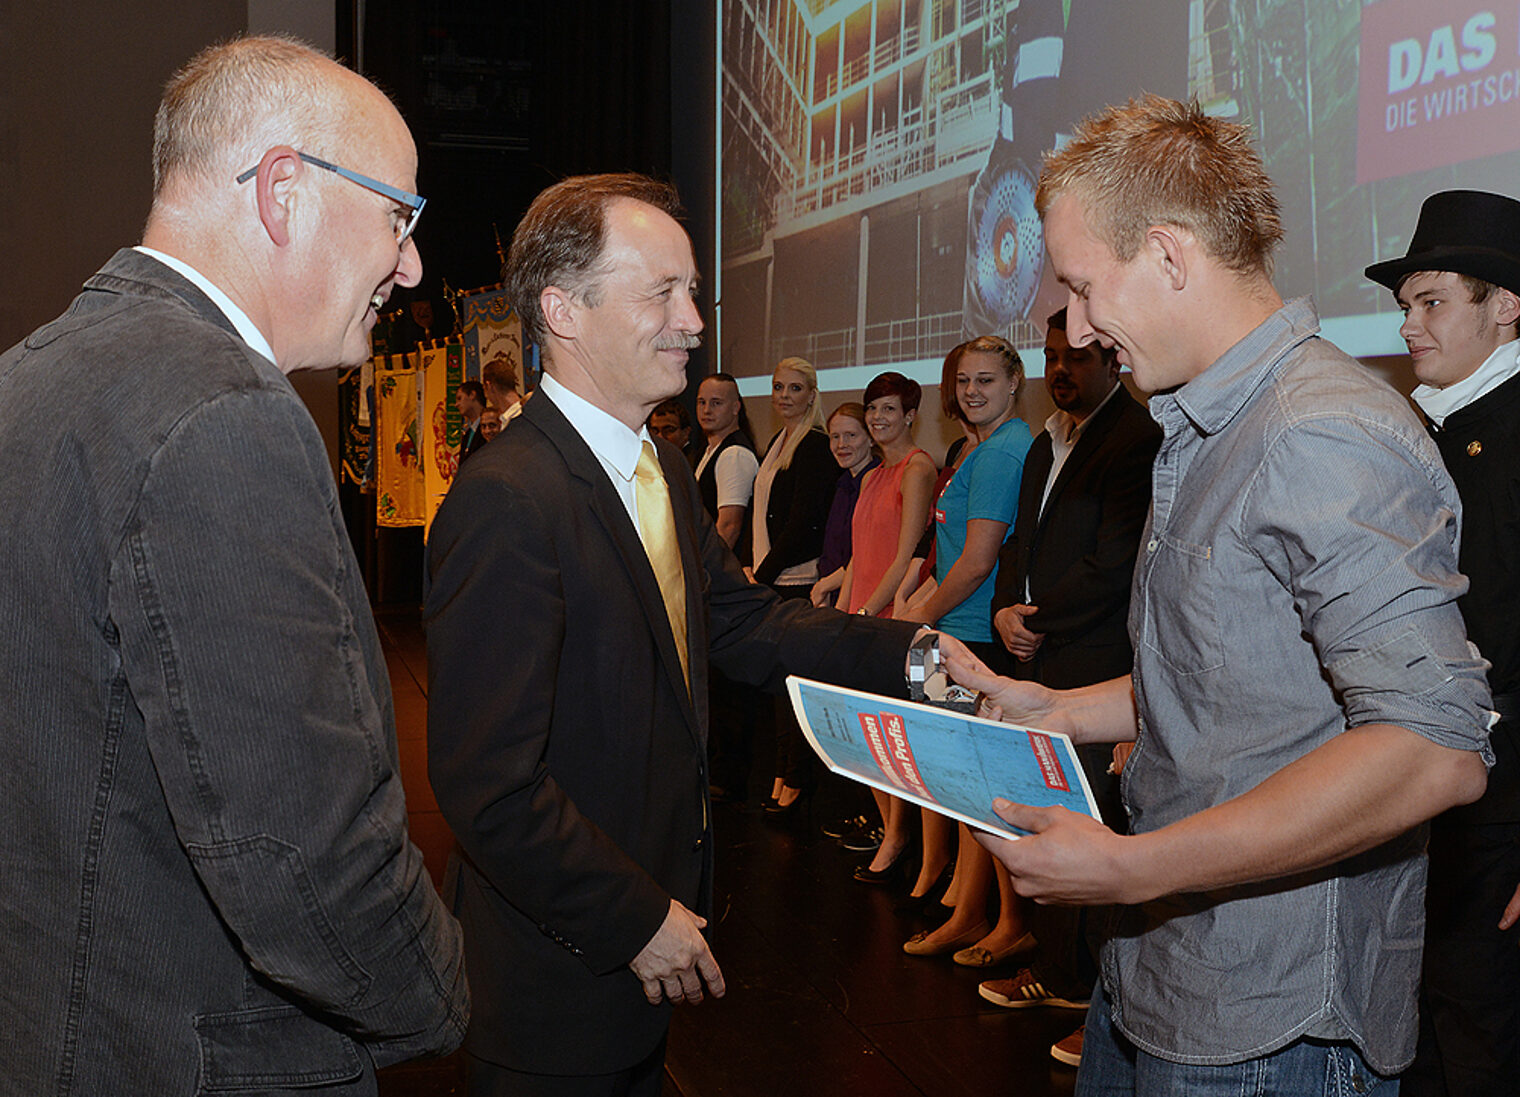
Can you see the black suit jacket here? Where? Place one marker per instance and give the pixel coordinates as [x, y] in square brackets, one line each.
[1079, 554]
[577, 786]
[470, 442]
[798, 508]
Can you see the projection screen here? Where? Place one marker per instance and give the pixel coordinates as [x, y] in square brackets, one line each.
[878, 156]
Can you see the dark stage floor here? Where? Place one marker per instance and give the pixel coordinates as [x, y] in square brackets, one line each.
[822, 1001]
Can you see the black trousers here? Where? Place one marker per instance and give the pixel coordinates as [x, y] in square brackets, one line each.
[1072, 937]
[1470, 991]
[733, 709]
[644, 1079]
[796, 764]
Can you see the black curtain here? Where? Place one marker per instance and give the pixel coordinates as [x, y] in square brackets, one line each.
[506, 98]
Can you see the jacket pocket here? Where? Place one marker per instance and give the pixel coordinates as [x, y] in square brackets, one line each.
[277, 909]
[272, 1047]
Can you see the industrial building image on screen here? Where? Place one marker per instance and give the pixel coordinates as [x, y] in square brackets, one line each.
[879, 157]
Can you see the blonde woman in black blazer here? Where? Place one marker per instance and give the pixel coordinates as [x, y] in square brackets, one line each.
[793, 492]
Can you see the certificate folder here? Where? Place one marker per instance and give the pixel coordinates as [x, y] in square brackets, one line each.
[942, 760]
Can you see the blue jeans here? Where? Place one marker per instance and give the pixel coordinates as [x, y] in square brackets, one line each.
[1111, 1066]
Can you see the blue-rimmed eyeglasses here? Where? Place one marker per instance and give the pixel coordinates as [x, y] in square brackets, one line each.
[413, 202]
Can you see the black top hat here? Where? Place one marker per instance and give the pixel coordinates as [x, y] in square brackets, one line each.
[1465, 232]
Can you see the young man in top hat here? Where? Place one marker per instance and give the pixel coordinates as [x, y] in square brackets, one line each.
[1459, 290]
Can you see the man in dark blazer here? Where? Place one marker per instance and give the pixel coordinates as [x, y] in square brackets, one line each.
[207, 882]
[470, 401]
[577, 787]
[1064, 573]
[1062, 600]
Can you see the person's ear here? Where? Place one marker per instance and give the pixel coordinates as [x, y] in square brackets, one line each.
[561, 311]
[274, 186]
[1507, 308]
[1166, 247]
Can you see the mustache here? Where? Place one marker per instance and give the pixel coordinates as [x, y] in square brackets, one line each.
[687, 341]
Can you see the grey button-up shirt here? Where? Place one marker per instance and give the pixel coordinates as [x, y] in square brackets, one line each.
[1297, 576]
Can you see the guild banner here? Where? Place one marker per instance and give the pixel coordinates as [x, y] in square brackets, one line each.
[442, 369]
[492, 330]
[356, 396]
[400, 496]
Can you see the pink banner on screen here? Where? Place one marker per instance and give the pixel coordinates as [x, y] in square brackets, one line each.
[1440, 83]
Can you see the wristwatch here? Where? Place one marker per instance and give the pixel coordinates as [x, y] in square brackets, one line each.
[924, 662]
[929, 682]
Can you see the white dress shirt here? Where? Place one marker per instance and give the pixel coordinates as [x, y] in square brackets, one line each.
[236, 316]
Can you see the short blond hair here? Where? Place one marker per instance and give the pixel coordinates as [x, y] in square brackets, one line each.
[1157, 161]
[234, 100]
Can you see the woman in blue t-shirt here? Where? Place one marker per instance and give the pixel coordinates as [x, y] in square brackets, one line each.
[976, 509]
[973, 516]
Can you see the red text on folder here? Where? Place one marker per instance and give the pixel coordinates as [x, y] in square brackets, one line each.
[1050, 765]
[871, 726]
[902, 754]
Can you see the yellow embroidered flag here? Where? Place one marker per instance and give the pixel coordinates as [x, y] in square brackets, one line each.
[442, 370]
[400, 496]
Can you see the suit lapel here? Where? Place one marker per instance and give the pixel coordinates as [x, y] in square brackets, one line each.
[1081, 453]
[603, 502]
[1041, 457]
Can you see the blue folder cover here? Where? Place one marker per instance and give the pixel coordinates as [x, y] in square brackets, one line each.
[942, 760]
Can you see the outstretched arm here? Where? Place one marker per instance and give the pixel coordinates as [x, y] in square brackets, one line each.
[1348, 795]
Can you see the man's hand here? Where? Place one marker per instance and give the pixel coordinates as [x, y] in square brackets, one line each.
[1067, 858]
[676, 961]
[952, 650]
[1511, 913]
[1009, 623]
[1017, 702]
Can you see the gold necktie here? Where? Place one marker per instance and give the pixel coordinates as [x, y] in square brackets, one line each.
[657, 529]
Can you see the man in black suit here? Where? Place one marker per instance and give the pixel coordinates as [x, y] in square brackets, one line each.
[470, 400]
[1062, 600]
[1064, 574]
[577, 787]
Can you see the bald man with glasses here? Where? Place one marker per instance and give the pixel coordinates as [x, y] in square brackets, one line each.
[209, 885]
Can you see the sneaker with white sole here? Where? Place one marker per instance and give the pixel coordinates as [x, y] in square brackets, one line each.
[841, 828]
[1022, 992]
[1069, 1049]
[864, 840]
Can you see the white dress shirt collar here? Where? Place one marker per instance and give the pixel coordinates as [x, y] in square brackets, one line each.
[1498, 368]
[615, 446]
[236, 316]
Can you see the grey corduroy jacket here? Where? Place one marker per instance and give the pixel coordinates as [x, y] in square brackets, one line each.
[206, 883]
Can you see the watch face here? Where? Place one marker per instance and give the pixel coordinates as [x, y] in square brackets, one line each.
[923, 662]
